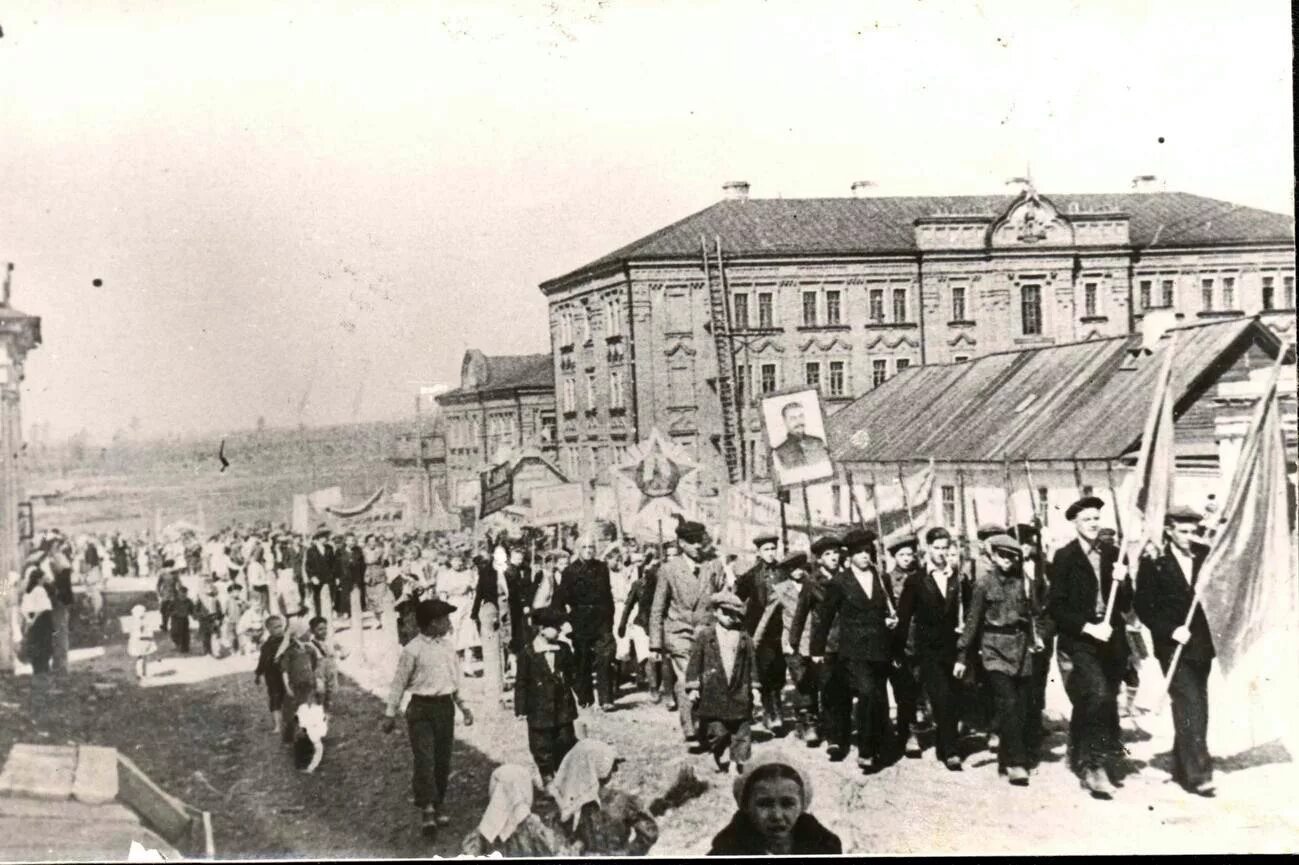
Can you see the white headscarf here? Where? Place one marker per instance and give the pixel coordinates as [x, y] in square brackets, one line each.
[578, 779]
[767, 758]
[510, 803]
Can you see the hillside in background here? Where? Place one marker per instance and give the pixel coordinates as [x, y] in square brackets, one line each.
[121, 486]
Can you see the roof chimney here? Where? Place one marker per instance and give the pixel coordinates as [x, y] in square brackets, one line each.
[862, 188]
[1143, 182]
[736, 190]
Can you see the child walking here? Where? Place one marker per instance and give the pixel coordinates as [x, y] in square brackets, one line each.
[140, 644]
[721, 678]
[268, 668]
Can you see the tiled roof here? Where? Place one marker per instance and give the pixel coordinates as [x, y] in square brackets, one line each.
[1063, 402]
[513, 372]
[858, 226]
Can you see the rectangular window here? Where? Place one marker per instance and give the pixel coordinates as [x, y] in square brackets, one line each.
[615, 389]
[1042, 507]
[903, 363]
[590, 390]
[877, 304]
[1167, 291]
[614, 312]
[569, 395]
[949, 505]
[766, 318]
[1269, 293]
[836, 499]
[958, 303]
[879, 372]
[812, 374]
[565, 329]
[1089, 300]
[1147, 296]
[1287, 291]
[1031, 309]
[740, 311]
[837, 370]
[678, 312]
[1229, 292]
[742, 390]
[1206, 294]
[809, 309]
[768, 380]
[681, 387]
[547, 424]
[899, 304]
[593, 462]
[832, 315]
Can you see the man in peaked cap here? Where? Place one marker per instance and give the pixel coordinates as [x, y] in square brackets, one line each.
[754, 588]
[685, 585]
[1164, 595]
[1092, 649]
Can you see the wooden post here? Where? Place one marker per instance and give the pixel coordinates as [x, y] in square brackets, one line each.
[784, 526]
[807, 510]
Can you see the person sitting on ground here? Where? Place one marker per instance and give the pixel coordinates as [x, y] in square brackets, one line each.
[268, 668]
[543, 693]
[139, 643]
[722, 681]
[509, 826]
[604, 821]
[773, 798]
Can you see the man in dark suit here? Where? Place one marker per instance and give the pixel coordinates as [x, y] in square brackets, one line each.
[1165, 591]
[826, 703]
[586, 594]
[799, 450]
[321, 568]
[858, 599]
[754, 588]
[1092, 650]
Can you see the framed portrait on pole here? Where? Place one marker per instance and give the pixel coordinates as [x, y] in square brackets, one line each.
[794, 425]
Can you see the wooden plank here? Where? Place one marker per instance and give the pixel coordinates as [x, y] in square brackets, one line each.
[19, 806]
[96, 775]
[43, 771]
[159, 809]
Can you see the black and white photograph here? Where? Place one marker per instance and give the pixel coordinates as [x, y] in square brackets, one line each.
[647, 428]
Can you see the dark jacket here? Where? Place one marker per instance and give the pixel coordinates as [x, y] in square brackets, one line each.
[268, 667]
[354, 566]
[999, 624]
[811, 597]
[641, 597]
[742, 838]
[721, 698]
[929, 617]
[1162, 600]
[543, 697]
[587, 594]
[863, 634]
[754, 588]
[320, 565]
[1073, 600]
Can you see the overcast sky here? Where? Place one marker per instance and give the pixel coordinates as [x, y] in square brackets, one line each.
[302, 210]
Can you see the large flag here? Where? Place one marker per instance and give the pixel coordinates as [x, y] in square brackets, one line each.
[1248, 585]
[1153, 484]
[885, 507]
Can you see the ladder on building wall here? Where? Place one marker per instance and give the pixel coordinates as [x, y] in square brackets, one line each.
[719, 325]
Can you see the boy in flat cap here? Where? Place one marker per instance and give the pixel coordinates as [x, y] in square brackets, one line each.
[429, 671]
[543, 692]
[681, 605]
[1164, 594]
[754, 588]
[831, 723]
[999, 627]
[903, 675]
[859, 601]
[1092, 651]
[722, 680]
[783, 606]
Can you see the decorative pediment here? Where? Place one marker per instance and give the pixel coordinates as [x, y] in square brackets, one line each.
[1031, 220]
[893, 342]
[679, 346]
[834, 343]
[962, 338]
[765, 345]
[1093, 334]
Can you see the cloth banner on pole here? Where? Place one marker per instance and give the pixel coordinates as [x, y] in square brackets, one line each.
[891, 502]
[325, 498]
[356, 510]
[1153, 480]
[496, 489]
[559, 503]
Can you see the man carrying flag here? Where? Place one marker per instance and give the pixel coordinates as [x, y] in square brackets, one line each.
[1164, 595]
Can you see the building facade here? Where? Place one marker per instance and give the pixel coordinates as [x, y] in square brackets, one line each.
[504, 405]
[842, 294]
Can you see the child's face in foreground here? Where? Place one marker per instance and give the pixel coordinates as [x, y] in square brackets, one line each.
[320, 631]
[774, 805]
[275, 628]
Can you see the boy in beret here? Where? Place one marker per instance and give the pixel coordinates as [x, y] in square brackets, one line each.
[543, 693]
[754, 588]
[722, 679]
[832, 725]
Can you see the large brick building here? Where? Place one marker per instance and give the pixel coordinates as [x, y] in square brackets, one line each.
[841, 293]
[505, 404]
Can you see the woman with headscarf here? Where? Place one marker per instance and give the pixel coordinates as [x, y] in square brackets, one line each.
[299, 660]
[773, 797]
[508, 825]
[603, 820]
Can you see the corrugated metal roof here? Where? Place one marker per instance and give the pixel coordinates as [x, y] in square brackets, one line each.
[1062, 402]
[512, 372]
[858, 226]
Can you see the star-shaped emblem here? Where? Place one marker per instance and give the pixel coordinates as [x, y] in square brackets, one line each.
[656, 475]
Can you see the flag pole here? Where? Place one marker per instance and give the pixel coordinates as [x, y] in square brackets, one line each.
[1162, 385]
[1236, 490]
[965, 553]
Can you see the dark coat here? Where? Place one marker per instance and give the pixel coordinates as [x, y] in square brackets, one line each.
[930, 618]
[742, 838]
[640, 597]
[720, 698]
[1162, 600]
[354, 566]
[587, 594]
[520, 597]
[811, 598]
[321, 566]
[1072, 602]
[999, 625]
[754, 588]
[543, 697]
[268, 667]
[863, 634]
